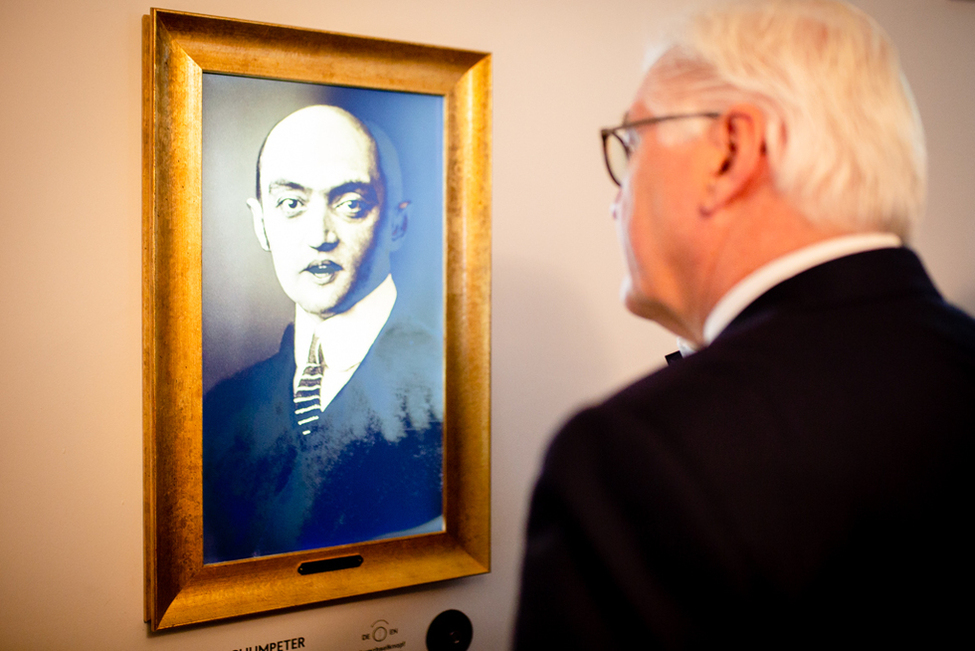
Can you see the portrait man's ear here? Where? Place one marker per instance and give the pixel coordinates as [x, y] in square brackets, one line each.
[257, 213]
[399, 221]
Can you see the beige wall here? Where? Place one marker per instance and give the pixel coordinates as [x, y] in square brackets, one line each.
[70, 349]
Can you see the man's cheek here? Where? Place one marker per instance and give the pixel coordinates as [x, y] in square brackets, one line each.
[364, 240]
[622, 223]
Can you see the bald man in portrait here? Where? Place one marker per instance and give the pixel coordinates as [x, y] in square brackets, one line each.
[337, 438]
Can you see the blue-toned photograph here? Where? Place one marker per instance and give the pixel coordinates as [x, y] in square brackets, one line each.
[323, 357]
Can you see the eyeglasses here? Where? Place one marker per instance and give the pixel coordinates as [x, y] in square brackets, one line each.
[617, 146]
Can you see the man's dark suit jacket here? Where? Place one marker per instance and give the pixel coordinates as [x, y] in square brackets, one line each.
[372, 467]
[804, 481]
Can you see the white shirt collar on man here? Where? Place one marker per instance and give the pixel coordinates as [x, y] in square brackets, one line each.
[344, 338]
[768, 276]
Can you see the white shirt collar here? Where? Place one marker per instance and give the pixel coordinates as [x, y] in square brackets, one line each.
[764, 278]
[346, 337]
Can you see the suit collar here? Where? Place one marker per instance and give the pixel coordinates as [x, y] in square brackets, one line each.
[771, 274]
[857, 278]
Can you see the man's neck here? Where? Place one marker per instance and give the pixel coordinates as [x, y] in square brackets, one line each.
[348, 333]
[743, 239]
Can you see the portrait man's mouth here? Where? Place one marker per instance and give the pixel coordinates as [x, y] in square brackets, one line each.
[324, 272]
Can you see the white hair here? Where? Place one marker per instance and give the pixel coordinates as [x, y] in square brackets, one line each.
[843, 138]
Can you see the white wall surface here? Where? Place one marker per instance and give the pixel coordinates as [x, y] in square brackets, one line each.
[70, 292]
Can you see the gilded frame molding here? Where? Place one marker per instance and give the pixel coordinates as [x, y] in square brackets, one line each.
[178, 48]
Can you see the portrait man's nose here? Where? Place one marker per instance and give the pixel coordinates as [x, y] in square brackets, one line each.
[322, 235]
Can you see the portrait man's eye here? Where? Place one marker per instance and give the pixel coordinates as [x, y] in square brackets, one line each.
[290, 205]
[353, 206]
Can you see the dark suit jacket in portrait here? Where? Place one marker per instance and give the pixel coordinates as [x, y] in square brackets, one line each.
[804, 481]
[373, 466]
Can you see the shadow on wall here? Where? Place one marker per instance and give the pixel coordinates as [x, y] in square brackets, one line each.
[549, 356]
[967, 302]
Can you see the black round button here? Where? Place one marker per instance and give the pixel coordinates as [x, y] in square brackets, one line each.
[451, 630]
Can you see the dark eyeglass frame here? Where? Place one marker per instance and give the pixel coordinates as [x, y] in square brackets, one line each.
[615, 132]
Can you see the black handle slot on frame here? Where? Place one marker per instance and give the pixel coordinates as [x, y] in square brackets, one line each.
[330, 564]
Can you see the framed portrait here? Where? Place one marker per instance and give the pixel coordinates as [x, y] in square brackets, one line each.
[316, 316]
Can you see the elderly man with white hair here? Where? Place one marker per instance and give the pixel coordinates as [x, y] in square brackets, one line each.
[799, 477]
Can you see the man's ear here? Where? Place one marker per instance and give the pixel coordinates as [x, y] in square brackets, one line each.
[257, 212]
[398, 223]
[738, 137]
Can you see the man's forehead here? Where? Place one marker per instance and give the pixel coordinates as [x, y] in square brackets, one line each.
[637, 111]
[320, 139]
[320, 119]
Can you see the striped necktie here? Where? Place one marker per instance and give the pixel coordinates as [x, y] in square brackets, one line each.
[308, 404]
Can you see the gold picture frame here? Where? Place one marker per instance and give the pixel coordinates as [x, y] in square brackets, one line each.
[179, 49]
